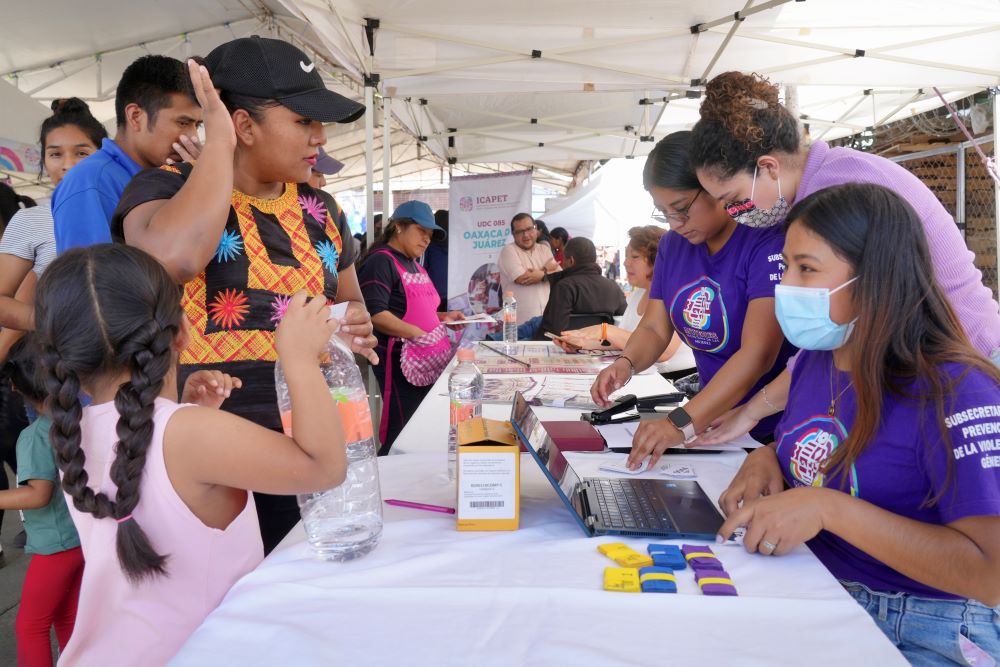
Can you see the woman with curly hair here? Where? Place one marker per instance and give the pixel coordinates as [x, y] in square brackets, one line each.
[749, 154]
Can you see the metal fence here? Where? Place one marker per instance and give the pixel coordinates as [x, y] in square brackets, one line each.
[958, 177]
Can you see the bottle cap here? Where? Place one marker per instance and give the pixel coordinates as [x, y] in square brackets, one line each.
[466, 354]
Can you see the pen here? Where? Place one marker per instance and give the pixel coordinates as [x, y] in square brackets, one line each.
[420, 506]
[504, 354]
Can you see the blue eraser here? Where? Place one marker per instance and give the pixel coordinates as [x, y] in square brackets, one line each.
[667, 555]
[657, 580]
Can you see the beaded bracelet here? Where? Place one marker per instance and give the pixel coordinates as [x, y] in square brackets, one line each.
[763, 394]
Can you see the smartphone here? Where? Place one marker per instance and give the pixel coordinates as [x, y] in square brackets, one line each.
[549, 334]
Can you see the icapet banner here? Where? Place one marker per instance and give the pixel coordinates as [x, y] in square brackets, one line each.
[478, 228]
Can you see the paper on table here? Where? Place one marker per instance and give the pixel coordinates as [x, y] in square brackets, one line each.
[482, 318]
[621, 467]
[620, 436]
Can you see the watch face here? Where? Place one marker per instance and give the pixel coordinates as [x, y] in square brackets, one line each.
[679, 417]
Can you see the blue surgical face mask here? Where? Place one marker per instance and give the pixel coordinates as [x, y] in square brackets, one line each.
[804, 316]
[746, 212]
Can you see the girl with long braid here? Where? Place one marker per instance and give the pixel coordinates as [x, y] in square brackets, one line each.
[158, 489]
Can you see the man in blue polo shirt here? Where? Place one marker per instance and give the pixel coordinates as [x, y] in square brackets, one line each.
[157, 120]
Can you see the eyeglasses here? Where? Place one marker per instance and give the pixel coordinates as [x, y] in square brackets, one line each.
[518, 232]
[680, 216]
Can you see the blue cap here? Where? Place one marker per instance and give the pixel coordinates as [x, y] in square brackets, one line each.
[327, 164]
[421, 214]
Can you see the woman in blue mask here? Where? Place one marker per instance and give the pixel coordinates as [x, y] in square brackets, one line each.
[713, 285]
[750, 154]
[890, 439]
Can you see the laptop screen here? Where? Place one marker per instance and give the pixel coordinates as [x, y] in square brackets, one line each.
[545, 452]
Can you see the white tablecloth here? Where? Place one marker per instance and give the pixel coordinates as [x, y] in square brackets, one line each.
[429, 595]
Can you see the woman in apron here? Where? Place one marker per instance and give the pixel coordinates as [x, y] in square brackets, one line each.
[403, 302]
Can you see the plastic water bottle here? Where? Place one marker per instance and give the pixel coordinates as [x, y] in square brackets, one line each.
[465, 392]
[509, 323]
[344, 522]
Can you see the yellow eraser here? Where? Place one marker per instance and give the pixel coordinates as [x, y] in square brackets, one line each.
[622, 579]
[625, 555]
[610, 547]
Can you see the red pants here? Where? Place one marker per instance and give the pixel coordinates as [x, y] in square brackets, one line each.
[48, 599]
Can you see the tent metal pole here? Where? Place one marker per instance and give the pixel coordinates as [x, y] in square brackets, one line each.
[876, 54]
[725, 42]
[800, 65]
[617, 70]
[950, 148]
[702, 27]
[592, 45]
[347, 35]
[938, 38]
[842, 117]
[480, 62]
[370, 163]
[597, 45]
[541, 121]
[31, 69]
[659, 117]
[996, 184]
[993, 74]
[387, 206]
[886, 117]
[960, 189]
[62, 77]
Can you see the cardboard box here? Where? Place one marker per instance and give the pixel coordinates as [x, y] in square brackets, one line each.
[487, 476]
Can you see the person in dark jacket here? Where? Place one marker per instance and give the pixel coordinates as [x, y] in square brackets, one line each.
[580, 289]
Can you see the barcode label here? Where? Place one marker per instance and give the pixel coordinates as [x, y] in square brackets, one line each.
[487, 504]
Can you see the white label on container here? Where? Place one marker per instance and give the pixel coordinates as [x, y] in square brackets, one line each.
[487, 485]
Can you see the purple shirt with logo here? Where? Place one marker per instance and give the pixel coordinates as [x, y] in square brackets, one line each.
[707, 297]
[907, 463]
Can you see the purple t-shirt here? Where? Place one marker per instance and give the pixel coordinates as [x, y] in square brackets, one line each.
[905, 465]
[954, 266]
[707, 297]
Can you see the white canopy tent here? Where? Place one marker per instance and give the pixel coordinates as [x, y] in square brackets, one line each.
[555, 82]
[487, 86]
[608, 204]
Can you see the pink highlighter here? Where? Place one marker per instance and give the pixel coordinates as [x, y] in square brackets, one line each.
[420, 506]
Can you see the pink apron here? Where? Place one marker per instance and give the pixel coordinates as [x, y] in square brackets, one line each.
[423, 358]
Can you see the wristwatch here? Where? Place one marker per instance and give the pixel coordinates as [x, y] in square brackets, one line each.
[682, 421]
[604, 335]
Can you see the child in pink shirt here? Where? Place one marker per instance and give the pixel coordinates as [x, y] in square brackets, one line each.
[158, 489]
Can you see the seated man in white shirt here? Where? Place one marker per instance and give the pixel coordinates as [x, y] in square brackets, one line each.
[525, 266]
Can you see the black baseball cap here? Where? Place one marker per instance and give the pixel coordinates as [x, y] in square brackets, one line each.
[272, 69]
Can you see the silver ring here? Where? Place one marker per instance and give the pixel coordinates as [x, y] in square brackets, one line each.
[767, 545]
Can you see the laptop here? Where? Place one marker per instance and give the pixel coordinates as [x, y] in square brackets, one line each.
[609, 506]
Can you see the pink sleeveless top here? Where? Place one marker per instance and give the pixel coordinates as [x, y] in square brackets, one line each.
[121, 624]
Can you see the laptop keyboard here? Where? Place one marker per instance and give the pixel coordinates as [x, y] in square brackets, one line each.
[631, 504]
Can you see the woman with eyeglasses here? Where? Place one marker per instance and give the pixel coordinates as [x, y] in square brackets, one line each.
[748, 153]
[713, 284]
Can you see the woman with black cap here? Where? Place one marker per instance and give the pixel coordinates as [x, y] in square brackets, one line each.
[243, 231]
[412, 340]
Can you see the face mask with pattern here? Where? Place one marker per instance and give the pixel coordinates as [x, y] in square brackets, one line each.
[746, 212]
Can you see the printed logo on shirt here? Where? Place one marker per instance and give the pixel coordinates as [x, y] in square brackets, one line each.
[699, 315]
[809, 445]
[975, 432]
[698, 309]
